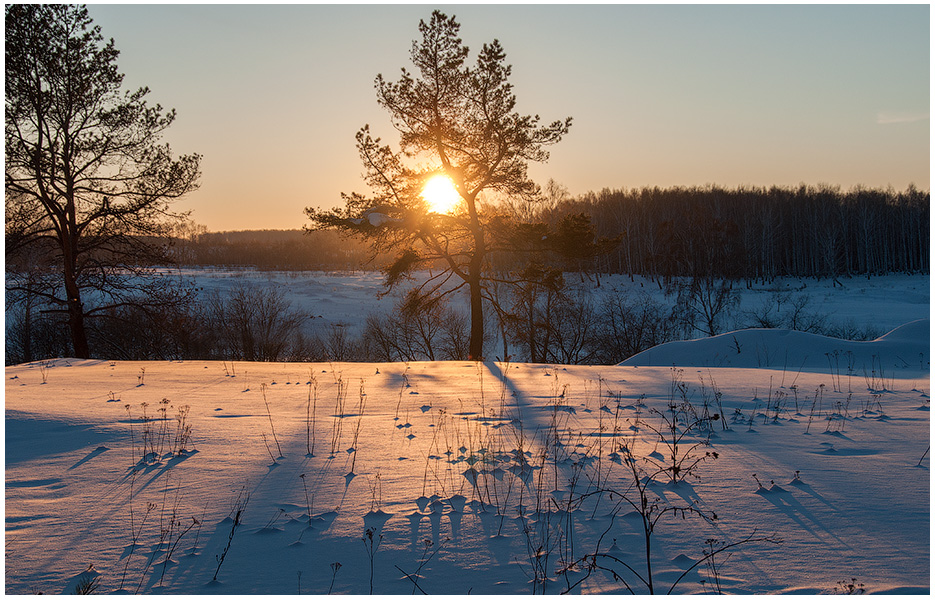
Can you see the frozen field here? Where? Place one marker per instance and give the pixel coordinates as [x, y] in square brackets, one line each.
[346, 298]
[481, 478]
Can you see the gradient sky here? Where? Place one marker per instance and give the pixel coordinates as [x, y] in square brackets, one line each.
[661, 95]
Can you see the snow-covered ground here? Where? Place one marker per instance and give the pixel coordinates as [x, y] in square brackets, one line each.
[480, 478]
[346, 298]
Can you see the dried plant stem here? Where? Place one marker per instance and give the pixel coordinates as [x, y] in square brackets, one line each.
[266, 441]
[270, 416]
[310, 409]
[239, 507]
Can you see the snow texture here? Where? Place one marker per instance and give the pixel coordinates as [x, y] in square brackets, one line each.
[488, 462]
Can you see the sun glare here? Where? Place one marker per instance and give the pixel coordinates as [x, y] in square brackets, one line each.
[440, 194]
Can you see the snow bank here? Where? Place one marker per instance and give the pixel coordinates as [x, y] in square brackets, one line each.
[460, 471]
[906, 347]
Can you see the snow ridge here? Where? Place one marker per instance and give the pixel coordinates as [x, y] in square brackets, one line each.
[906, 347]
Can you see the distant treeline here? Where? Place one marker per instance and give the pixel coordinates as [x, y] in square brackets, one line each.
[280, 250]
[761, 233]
[694, 242]
[742, 233]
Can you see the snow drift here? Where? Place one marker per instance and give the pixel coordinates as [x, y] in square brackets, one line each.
[904, 346]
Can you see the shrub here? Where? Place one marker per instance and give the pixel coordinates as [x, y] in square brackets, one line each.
[255, 323]
[416, 330]
[631, 325]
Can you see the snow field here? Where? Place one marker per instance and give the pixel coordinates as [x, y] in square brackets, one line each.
[346, 298]
[476, 458]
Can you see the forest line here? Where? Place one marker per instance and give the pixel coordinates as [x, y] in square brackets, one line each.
[743, 233]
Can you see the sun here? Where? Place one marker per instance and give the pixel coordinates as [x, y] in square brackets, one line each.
[440, 194]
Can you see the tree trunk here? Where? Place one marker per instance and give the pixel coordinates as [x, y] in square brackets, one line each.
[27, 324]
[475, 277]
[79, 336]
[531, 322]
[476, 346]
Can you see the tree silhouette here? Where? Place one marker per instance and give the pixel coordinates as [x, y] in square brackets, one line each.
[86, 176]
[459, 120]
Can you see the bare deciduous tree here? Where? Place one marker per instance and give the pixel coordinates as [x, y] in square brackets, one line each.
[255, 323]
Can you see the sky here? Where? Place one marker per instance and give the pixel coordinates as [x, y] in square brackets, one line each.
[661, 95]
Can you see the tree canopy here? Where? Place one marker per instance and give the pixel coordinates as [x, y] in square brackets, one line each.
[459, 120]
[86, 174]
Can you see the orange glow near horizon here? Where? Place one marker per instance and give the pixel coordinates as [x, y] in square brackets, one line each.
[440, 194]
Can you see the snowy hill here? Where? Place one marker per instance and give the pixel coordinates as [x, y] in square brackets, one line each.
[480, 478]
[905, 347]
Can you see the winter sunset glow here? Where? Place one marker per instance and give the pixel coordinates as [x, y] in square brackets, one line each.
[645, 105]
[440, 194]
[356, 303]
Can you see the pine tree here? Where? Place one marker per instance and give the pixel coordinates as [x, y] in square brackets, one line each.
[459, 120]
[86, 175]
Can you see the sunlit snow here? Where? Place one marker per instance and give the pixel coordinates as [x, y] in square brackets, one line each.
[462, 472]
